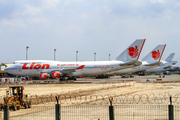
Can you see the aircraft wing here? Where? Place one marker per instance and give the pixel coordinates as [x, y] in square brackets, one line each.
[67, 71]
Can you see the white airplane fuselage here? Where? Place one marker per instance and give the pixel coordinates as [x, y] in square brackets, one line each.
[26, 68]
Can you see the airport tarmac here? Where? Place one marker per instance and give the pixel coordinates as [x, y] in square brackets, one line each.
[100, 86]
[141, 78]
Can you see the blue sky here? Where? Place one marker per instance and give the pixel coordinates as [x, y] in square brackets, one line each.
[103, 26]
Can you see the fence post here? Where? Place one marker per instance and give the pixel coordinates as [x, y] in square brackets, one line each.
[57, 110]
[171, 110]
[6, 112]
[111, 110]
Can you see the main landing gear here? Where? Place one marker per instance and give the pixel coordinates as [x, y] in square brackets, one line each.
[68, 78]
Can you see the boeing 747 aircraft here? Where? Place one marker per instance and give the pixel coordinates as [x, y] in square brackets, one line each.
[57, 69]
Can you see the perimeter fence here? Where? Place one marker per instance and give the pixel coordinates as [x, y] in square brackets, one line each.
[104, 99]
[96, 107]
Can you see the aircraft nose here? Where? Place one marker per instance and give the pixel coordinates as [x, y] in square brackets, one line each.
[6, 69]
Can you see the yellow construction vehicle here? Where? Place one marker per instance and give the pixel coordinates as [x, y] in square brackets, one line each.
[15, 98]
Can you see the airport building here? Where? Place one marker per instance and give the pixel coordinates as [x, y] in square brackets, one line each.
[2, 67]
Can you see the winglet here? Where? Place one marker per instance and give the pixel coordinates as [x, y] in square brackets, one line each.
[81, 67]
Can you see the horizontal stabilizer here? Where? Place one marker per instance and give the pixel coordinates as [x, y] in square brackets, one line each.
[155, 64]
[168, 67]
[132, 52]
[134, 63]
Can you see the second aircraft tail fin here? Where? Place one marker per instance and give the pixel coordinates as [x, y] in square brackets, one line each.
[155, 54]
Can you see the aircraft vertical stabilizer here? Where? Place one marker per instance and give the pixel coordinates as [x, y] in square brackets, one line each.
[155, 54]
[133, 51]
[170, 57]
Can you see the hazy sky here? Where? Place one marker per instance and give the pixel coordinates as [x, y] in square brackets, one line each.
[88, 26]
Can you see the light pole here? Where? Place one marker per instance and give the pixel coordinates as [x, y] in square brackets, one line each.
[109, 56]
[94, 56]
[54, 54]
[27, 52]
[76, 55]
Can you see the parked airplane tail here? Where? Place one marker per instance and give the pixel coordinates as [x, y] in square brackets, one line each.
[133, 51]
[155, 54]
[170, 57]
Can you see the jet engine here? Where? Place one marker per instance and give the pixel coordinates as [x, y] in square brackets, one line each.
[44, 75]
[56, 74]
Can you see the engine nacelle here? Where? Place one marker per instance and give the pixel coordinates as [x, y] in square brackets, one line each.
[56, 74]
[44, 75]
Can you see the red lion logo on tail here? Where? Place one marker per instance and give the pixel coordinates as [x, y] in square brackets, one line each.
[155, 55]
[133, 52]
